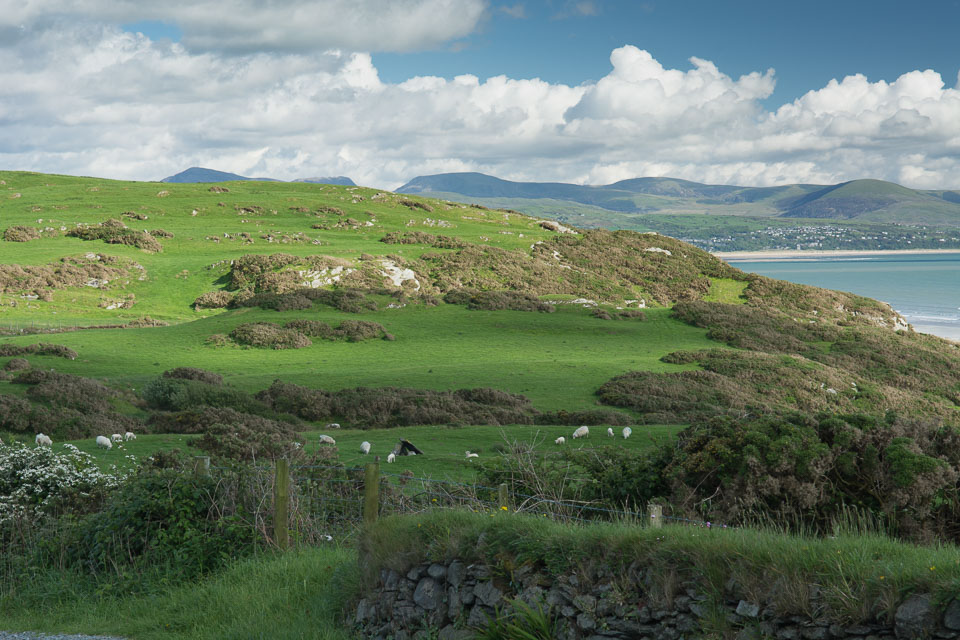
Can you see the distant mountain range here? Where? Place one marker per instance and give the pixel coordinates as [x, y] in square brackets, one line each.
[200, 174]
[864, 200]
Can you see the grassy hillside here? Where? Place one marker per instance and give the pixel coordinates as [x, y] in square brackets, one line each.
[340, 288]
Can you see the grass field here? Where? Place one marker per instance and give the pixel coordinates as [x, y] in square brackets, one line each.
[444, 447]
[557, 360]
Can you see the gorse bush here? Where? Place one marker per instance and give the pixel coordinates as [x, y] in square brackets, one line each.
[178, 394]
[807, 469]
[349, 330]
[267, 335]
[113, 231]
[37, 483]
[19, 233]
[40, 349]
[192, 373]
[419, 237]
[367, 408]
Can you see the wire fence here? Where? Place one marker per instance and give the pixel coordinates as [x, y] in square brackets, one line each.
[308, 504]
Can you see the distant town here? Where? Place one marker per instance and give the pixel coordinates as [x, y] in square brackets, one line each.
[830, 237]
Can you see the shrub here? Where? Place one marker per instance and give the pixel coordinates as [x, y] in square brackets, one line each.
[67, 390]
[213, 300]
[16, 364]
[18, 233]
[160, 233]
[588, 417]
[266, 335]
[250, 439]
[113, 231]
[192, 373]
[807, 469]
[498, 300]
[414, 204]
[366, 408]
[419, 237]
[37, 482]
[162, 521]
[179, 394]
[39, 349]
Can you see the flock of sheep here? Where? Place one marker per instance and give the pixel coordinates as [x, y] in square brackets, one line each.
[107, 443]
[102, 441]
[581, 432]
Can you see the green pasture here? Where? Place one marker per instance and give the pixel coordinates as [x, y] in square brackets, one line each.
[558, 360]
[444, 447]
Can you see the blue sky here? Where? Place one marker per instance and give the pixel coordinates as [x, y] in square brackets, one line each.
[807, 43]
[587, 91]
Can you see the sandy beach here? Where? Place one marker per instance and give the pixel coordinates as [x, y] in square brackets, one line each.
[790, 254]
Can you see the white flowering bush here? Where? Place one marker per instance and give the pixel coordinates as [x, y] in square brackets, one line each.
[37, 482]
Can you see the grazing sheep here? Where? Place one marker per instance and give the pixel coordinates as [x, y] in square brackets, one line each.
[472, 455]
[581, 432]
[364, 447]
[610, 431]
[333, 425]
[325, 439]
[560, 440]
[43, 441]
[626, 432]
[116, 438]
[104, 442]
[391, 458]
[129, 435]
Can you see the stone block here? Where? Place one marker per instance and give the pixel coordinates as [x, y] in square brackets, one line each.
[428, 594]
[914, 618]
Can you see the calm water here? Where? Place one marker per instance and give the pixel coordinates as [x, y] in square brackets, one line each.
[925, 289]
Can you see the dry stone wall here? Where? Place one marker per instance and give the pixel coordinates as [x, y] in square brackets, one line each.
[451, 601]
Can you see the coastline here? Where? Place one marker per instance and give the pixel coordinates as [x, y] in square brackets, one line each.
[792, 254]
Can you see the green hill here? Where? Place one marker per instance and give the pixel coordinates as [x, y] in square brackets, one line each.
[866, 201]
[375, 306]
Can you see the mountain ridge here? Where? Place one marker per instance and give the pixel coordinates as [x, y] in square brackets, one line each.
[864, 199]
[195, 175]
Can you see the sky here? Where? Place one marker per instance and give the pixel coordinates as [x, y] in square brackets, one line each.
[742, 92]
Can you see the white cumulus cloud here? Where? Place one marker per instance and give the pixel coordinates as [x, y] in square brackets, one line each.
[245, 26]
[88, 98]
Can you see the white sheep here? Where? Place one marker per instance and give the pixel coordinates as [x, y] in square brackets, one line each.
[581, 432]
[325, 439]
[472, 455]
[610, 431]
[364, 447]
[129, 435]
[560, 440]
[626, 432]
[43, 441]
[104, 442]
[333, 425]
[391, 458]
[116, 438]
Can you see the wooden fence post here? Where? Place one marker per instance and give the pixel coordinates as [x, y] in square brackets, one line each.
[281, 503]
[656, 515]
[371, 493]
[503, 496]
[201, 466]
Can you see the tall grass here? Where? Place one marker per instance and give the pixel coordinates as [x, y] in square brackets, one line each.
[300, 594]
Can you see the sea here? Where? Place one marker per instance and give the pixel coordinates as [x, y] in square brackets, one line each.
[923, 288]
